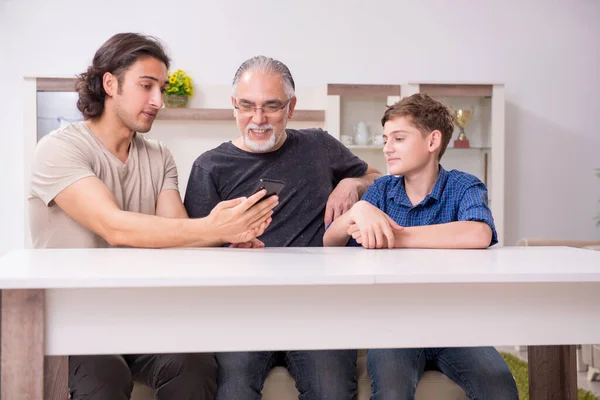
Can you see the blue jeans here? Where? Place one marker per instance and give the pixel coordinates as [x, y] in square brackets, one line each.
[319, 375]
[479, 371]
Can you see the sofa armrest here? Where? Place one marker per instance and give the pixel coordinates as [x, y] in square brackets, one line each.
[558, 242]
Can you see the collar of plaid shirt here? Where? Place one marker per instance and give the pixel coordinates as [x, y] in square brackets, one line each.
[399, 195]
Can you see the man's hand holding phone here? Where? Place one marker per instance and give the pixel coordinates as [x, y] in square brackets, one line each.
[242, 219]
[273, 187]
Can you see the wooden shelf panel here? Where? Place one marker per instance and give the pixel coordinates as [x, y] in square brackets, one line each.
[365, 147]
[226, 114]
[309, 115]
[195, 114]
[456, 90]
[56, 84]
[363, 90]
[380, 148]
[184, 114]
[452, 148]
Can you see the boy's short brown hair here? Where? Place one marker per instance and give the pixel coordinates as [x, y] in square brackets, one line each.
[426, 113]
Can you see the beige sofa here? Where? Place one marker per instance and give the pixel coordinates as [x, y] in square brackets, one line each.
[590, 359]
[585, 244]
[280, 386]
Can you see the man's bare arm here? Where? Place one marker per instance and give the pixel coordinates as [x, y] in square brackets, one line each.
[347, 193]
[169, 205]
[90, 203]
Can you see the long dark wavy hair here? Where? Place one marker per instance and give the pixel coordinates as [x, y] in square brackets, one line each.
[114, 56]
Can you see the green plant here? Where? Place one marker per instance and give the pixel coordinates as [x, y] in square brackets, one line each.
[519, 370]
[180, 83]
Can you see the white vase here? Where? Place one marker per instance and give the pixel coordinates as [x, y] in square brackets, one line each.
[361, 133]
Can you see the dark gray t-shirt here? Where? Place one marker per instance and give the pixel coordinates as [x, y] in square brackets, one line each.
[310, 163]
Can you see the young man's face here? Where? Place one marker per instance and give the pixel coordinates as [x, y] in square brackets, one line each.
[139, 96]
[262, 130]
[406, 149]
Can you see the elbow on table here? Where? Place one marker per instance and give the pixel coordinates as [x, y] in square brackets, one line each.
[481, 236]
[111, 230]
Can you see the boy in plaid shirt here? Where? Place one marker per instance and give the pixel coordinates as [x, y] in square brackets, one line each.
[421, 205]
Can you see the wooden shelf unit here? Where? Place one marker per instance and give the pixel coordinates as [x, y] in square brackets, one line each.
[365, 91]
[225, 114]
[181, 114]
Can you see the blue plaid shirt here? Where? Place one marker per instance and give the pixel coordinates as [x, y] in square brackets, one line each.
[456, 196]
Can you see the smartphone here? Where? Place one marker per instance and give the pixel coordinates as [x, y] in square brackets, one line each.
[273, 188]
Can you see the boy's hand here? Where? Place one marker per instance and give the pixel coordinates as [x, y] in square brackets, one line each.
[371, 227]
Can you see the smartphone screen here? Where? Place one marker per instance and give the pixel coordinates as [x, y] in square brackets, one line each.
[272, 186]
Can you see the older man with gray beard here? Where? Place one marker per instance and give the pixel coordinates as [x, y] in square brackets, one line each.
[323, 179]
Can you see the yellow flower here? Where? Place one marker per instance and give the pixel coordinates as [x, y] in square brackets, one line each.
[180, 83]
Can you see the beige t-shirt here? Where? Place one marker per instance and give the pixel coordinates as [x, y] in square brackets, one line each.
[72, 153]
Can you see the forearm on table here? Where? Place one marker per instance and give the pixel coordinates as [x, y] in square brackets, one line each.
[124, 228]
[453, 235]
[337, 233]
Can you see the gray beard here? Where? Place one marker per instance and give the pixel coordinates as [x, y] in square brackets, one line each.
[263, 146]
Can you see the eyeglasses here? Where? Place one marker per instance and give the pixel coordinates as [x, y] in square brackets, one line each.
[249, 109]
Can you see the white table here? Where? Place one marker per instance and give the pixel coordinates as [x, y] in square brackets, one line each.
[113, 301]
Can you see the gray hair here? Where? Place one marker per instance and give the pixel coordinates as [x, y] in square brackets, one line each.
[270, 66]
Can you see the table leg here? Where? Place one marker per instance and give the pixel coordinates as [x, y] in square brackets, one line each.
[22, 337]
[56, 373]
[552, 372]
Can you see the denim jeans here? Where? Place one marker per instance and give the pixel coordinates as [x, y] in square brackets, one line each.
[319, 375]
[479, 371]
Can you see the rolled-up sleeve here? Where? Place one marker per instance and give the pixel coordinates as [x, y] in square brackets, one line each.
[474, 207]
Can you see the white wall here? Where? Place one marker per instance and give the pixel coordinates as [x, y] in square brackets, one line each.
[545, 52]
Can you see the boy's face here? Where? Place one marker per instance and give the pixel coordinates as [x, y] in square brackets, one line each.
[406, 149]
[138, 98]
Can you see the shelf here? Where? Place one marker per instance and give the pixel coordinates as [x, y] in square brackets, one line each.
[195, 114]
[56, 84]
[446, 90]
[363, 90]
[365, 147]
[380, 148]
[182, 114]
[451, 148]
[226, 114]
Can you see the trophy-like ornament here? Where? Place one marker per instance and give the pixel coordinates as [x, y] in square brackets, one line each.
[462, 118]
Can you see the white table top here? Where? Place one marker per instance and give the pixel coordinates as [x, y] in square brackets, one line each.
[114, 268]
